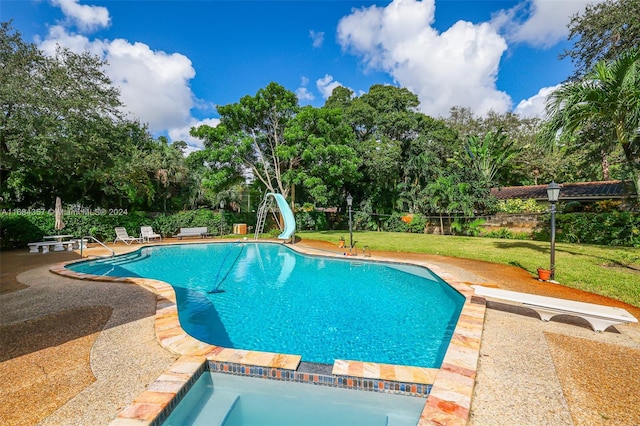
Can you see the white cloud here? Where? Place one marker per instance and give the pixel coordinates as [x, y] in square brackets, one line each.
[326, 85]
[534, 106]
[541, 23]
[58, 36]
[182, 133]
[456, 67]
[86, 18]
[154, 85]
[302, 92]
[317, 37]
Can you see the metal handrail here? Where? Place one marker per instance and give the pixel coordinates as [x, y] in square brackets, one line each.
[97, 241]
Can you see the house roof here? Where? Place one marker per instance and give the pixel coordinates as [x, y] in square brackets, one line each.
[592, 191]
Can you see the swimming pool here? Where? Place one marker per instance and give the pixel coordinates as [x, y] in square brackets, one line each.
[266, 297]
[228, 400]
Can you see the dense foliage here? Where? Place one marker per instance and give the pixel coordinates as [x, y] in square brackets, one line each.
[603, 31]
[18, 229]
[600, 113]
[62, 133]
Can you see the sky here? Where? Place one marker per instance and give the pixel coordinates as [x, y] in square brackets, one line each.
[175, 61]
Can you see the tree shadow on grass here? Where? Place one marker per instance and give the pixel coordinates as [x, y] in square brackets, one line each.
[520, 244]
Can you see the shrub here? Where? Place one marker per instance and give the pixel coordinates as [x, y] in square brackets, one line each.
[311, 220]
[517, 205]
[417, 225]
[395, 224]
[612, 229]
[20, 229]
[467, 227]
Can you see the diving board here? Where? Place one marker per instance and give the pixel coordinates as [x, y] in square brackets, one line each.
[600, 317]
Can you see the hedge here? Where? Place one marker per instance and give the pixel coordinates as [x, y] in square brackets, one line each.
[19, 229]
[606, 229]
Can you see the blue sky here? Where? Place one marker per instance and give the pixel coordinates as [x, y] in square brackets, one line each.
[174, 61]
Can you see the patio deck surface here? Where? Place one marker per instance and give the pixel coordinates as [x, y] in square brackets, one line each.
[78, 352]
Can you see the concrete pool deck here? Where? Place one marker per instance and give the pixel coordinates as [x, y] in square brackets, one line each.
[508, 389]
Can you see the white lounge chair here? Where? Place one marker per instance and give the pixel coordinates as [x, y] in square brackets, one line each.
[147, 234]
[600, 317]
[122, 235]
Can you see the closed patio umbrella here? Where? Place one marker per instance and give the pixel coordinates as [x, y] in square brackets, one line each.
[58, 212]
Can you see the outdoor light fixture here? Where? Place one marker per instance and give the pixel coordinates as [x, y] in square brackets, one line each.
[350, 203]
[553, 191]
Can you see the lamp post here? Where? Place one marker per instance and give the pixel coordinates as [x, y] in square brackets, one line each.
[349, 203]
[553, 191]
[221, 218]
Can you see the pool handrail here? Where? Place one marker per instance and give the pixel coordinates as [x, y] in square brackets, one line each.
[97, 241]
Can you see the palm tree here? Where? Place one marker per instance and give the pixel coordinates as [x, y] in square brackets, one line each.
[608, 97]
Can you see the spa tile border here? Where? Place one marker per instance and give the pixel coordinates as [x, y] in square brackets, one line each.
[449, 389]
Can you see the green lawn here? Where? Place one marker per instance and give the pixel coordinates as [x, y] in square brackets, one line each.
[609, 271]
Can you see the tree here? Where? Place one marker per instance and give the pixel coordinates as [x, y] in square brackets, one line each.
[449, 194]
[607, 98]
[250, 136]
[384, 121]
[603, 31]
[488, 155]
[320, 152]
[60, 124]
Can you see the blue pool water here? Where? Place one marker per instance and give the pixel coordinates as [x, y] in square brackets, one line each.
[267, 297]
[223, 399]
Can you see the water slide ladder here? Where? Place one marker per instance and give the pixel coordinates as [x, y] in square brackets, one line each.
[265, 207]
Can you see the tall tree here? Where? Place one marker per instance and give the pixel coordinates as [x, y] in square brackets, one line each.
[320, 152]
[59, 118]
[250, 136]
[607, 98]
[385, 120]
[603, 32]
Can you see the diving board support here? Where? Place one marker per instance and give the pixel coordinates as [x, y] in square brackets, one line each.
[600, 317]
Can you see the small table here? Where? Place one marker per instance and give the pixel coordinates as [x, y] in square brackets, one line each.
[59, 239]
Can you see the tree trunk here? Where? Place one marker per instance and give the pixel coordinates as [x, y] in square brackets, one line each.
[605, 165]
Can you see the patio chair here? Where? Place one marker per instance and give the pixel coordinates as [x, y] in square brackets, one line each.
[122, 235]
[147, 234]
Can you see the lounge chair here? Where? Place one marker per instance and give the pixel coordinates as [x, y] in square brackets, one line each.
[147, 234]
[122, 235]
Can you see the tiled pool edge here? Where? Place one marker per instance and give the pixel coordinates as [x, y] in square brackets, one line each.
[448, 403]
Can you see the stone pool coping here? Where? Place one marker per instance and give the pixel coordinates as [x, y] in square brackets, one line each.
[449, 388]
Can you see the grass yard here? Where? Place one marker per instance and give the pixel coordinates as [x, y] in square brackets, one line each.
[609, 271]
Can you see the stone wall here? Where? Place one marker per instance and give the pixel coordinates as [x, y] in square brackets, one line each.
[525, 222]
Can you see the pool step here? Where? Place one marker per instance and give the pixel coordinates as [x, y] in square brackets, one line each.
[400, 420]
[222, 404]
